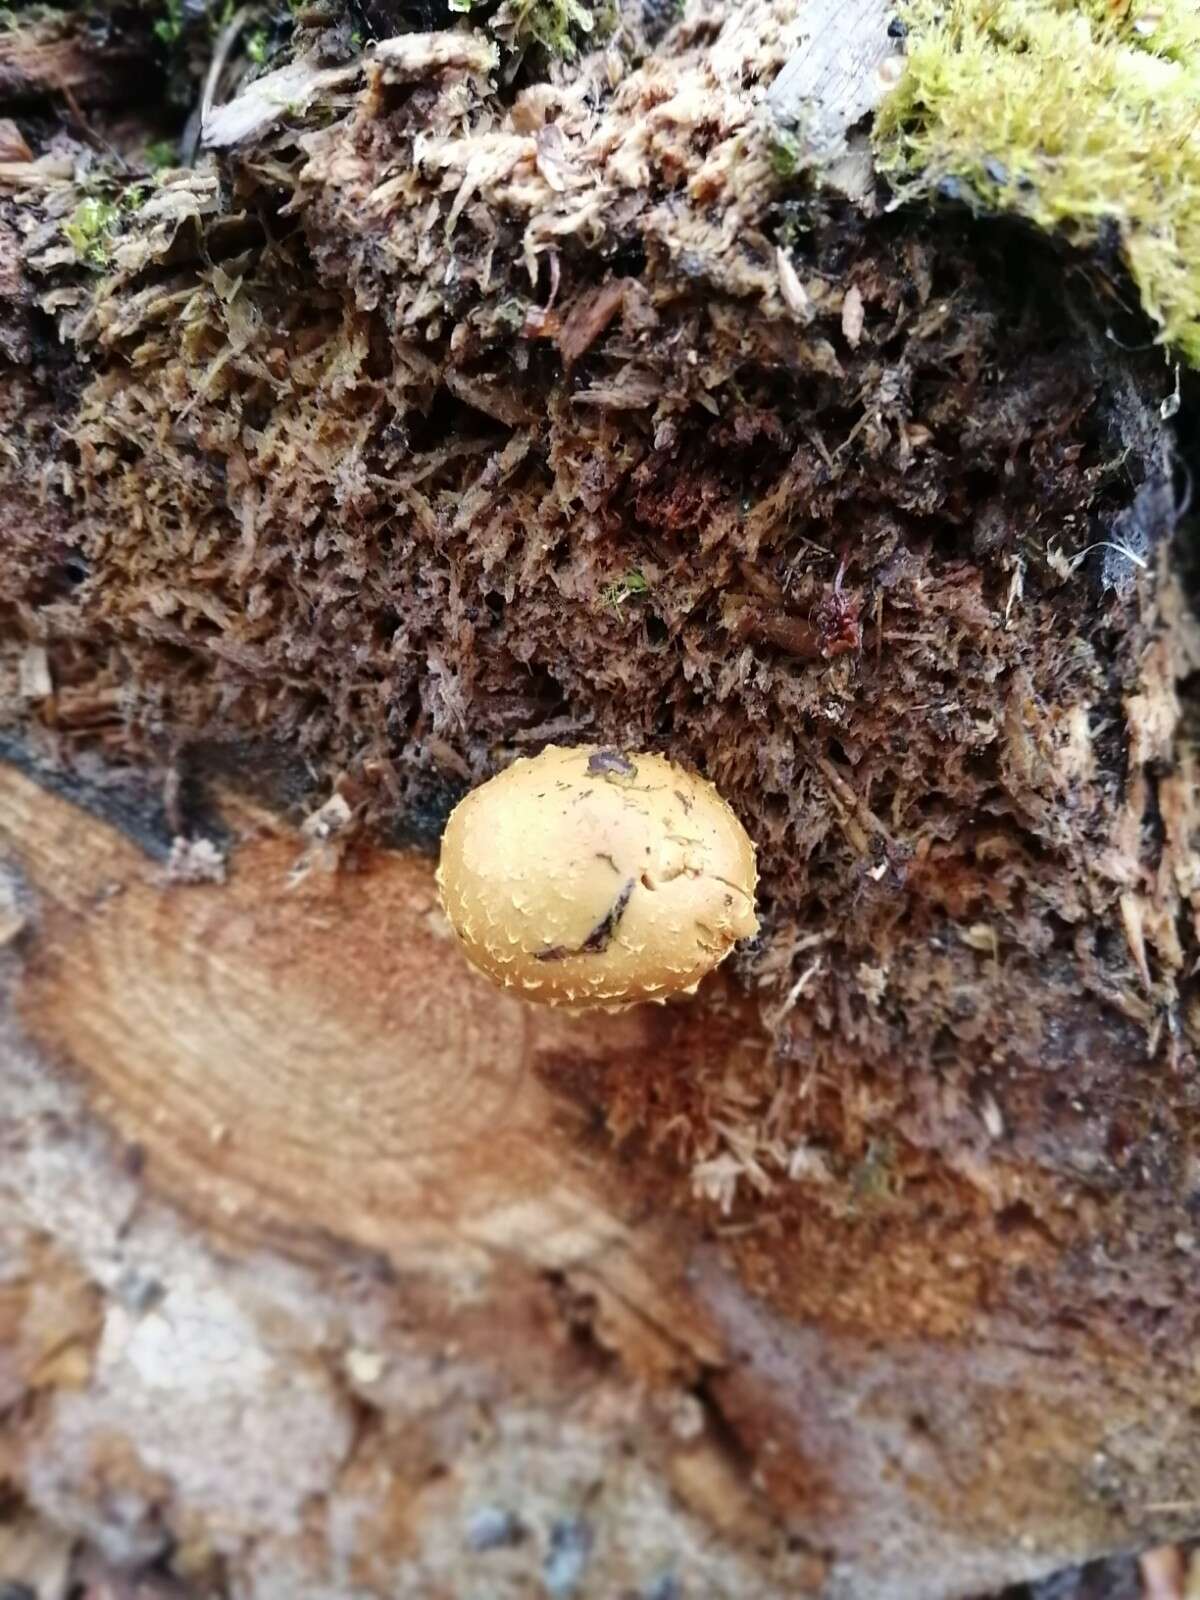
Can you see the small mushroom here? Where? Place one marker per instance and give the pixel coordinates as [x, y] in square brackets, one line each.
[596, 877]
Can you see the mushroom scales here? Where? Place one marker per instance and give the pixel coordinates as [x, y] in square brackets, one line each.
[595, 877]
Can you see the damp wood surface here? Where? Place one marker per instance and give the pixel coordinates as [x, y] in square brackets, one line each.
[438, 406]
[281, 1169]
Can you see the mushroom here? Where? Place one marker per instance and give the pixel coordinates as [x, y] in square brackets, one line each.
[594, 877]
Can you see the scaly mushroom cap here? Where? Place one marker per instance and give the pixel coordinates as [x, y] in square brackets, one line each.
[592, 877]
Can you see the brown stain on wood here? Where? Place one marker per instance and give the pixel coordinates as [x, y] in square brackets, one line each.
[49, 1322]
[299, 1061]
[303, 1064]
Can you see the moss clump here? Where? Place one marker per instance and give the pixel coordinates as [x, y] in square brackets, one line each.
[1080, 117]
[161, 154]
[554, 25]
[630, 587]
[168, 25]
[787, 155]
[90, 230]
[98, 218]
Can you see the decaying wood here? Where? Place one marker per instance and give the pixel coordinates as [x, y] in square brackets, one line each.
[443, 410]
[33, 1555]
[849, 55]
[53, 58]
[286, 1183]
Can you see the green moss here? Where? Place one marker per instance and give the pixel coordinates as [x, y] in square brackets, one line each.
[171, 23]
[874, 1178]
[786, 155]
[169, 26]
[17, 16]
[162, 154]
[97, 219]
[90, 229]
[510, 314]
[625, 588]
[1080, 115]
[554, 25]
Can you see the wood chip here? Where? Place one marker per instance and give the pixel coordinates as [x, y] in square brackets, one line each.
[991, 1116]
[12, 913]
[420, 55]
[852, 316]
[838, 75]
[632, 390]
[34, 673]
[12, 142]
[35, 1555]
[33, 63]
[552, 156]
[1135, 935]
[588, 318]
[1163, 1573]
[287, 92]
[795, 295]
[494, 397]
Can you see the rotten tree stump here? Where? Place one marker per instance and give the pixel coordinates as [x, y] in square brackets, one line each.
[449, 405]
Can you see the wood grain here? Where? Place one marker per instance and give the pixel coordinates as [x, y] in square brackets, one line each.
[298, 1058]
[842, 68]
[272, 1137]
[34, 63]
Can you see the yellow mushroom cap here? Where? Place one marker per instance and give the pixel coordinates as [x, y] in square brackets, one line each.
[592, 877]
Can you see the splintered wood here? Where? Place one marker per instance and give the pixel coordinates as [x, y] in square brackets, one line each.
[273, 1131]
[844, 65]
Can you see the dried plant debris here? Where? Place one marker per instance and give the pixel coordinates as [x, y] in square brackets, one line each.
[447, 414]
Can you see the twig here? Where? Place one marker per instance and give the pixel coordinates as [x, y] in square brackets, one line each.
[222, 50]
[96, 140]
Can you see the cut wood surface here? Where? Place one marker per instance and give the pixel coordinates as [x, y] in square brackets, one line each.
[298, 1056]
[321, 1265]
[460, 398]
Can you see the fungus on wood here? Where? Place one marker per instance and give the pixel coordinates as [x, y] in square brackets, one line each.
[471, 394]
[593, 877]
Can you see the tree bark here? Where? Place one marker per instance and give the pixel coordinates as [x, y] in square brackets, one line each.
[568, 410]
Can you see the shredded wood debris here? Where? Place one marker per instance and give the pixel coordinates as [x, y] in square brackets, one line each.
[439, 413]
